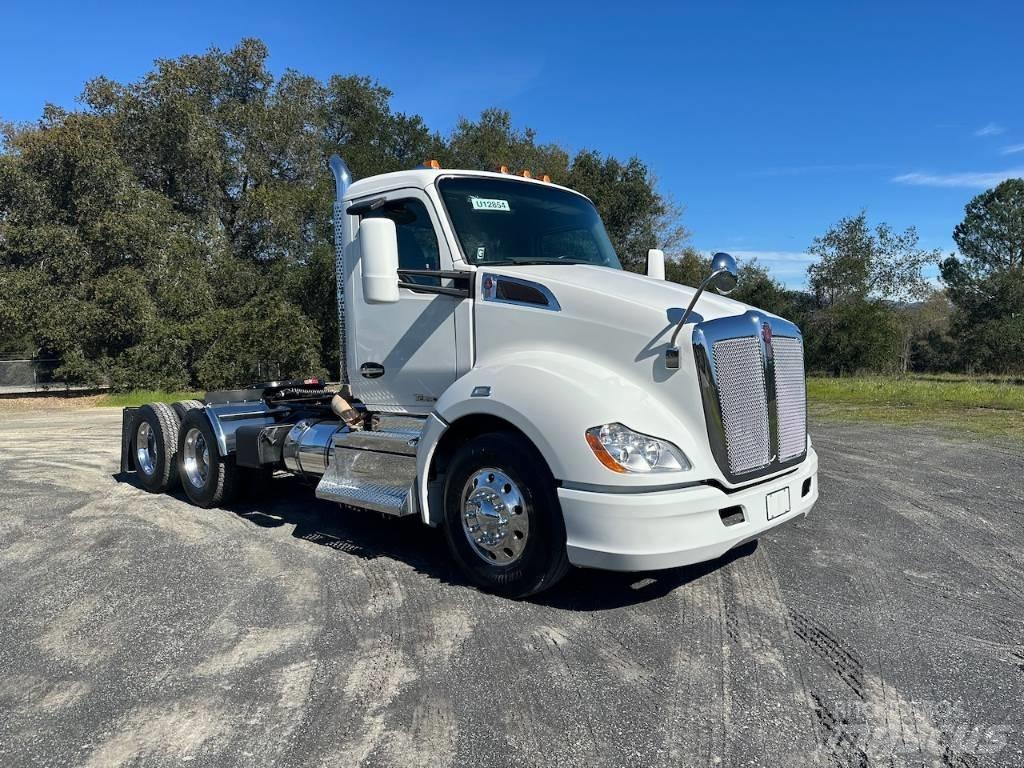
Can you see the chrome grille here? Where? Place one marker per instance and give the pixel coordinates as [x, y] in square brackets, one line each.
[750, 370]
[791, 397]
[744, 403]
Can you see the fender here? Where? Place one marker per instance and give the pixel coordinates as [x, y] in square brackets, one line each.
[553, 398]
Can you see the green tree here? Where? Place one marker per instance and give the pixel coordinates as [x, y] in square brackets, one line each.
[991, 236]
[986, 283]
[860, 279]
[177, 230]
[855, 264]
[926, 339]
[688, 267]
[359, 123]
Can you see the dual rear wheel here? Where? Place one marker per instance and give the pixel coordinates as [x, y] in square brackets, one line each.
[207, 478]
[173, 446]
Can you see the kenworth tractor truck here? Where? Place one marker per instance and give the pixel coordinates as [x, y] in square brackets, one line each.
[504, 378]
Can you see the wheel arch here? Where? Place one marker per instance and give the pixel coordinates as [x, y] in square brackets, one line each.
[443, 449]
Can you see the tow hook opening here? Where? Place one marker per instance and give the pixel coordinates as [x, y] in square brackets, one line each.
[731, 515]
[806, 489]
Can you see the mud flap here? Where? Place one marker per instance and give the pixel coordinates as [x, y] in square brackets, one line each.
[127, 431]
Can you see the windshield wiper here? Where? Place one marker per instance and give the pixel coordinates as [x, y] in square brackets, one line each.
[531, 262]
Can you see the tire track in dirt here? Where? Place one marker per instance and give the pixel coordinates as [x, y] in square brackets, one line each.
[390, 702]
[699, 712]
[509, 652]
[864, 716]
[349, 701]
[842, 662]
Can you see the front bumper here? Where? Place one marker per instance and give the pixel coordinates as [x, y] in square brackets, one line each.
[665, 529]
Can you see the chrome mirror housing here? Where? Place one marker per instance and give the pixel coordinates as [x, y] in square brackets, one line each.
[724, 273]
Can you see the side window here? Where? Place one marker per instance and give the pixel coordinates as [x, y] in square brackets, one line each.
[417, 240]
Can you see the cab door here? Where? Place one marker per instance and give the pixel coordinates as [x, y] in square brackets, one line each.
[404, 353]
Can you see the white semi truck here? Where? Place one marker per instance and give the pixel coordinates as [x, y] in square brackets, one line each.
[504, 378]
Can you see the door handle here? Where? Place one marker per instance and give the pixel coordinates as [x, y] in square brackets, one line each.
[371, 370]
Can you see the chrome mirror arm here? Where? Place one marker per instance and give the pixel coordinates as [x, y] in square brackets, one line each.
[682, 321]
[724, 274]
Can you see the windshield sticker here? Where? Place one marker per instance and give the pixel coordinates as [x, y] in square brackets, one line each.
[489, 204]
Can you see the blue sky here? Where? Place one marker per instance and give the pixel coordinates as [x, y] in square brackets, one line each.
[767, 121]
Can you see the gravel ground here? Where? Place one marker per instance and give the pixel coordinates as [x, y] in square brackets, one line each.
[885, 629]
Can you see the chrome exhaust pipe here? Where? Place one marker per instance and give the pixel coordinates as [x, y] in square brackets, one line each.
[342, 181]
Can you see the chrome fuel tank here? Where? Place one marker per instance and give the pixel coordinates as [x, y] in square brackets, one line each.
[307, 446]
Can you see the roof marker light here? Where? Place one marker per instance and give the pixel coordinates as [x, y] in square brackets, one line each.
[526, 175]
[432, 164]
[502, 169]
[546, 178]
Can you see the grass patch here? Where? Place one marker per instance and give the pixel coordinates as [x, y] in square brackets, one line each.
[139, 397]
[987, 407]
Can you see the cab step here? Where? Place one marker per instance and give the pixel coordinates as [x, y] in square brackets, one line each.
[374, 470]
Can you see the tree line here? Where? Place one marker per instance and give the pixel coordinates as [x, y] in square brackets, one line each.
[175, 232]
[868, 307]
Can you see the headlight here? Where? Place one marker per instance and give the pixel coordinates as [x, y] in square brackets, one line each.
[622, 450]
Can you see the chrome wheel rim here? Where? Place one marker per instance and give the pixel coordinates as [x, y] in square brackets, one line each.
[494, 517]
[145, 448]
[196, 458]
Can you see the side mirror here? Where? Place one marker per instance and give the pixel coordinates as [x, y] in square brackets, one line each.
[724, 273]
[724, 276]
[656, 264]
[378, 248]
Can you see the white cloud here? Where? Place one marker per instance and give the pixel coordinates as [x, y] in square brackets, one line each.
[788, 267]
[992, 129]
[774, 256]
[1013, 149]
[965, 180]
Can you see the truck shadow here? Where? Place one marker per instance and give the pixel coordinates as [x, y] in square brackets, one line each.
[589, 590]
[290, 501]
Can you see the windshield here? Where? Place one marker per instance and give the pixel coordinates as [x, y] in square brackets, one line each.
[514, 222]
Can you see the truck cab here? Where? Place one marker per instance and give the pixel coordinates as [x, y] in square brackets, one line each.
[516, 387]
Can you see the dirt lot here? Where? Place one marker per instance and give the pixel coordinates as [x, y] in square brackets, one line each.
[886, 629]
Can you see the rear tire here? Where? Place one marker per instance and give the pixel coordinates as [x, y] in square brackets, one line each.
[503, 521]
[184, 406]
[209, 479]
[155, 447]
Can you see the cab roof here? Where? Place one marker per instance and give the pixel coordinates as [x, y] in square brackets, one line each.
[421, 178]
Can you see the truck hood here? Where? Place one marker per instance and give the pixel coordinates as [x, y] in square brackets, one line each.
[588, 284]
[596, 354]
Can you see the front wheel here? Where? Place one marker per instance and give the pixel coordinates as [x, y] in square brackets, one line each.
[502, 518]
[207, 477]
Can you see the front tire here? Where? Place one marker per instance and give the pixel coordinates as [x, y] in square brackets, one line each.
[503, 521]
[207, 477]
[155, 447]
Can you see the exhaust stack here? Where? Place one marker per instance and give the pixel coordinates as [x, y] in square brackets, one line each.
[342, 181]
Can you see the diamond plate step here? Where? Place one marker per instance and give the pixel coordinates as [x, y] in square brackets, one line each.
[374, 470]
[389, 499]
